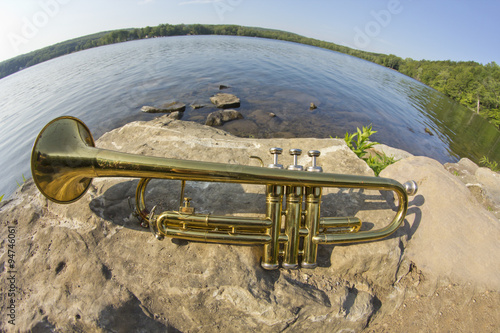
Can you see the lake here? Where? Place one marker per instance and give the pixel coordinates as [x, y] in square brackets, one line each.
[107, 86]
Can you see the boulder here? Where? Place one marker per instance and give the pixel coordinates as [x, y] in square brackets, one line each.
[483, 183]
[225, 101]
[218, 118]
[452, 238]
[90, 267]
[395, 153]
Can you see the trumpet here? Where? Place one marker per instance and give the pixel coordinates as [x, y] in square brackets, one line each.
[64, 161]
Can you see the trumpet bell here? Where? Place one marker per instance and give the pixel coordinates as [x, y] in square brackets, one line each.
[58, 159]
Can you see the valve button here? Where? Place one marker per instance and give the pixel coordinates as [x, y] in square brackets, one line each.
[295, 153]
[275, 151]
[313, 154]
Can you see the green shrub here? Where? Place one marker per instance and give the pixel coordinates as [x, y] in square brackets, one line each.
[361, 144]
[358, 142]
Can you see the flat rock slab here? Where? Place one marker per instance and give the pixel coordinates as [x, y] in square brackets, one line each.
[225, 101]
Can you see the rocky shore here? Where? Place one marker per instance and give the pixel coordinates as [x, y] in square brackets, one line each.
[90, 267]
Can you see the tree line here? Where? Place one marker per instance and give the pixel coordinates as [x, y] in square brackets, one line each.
[473, 85]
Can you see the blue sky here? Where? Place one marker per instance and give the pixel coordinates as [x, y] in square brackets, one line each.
[419, 29]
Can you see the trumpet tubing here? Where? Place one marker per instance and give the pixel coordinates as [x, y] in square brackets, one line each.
[64, 161]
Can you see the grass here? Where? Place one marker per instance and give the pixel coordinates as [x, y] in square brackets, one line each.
[18, 185]
[24, 181]
[359, 143]
[489, 164]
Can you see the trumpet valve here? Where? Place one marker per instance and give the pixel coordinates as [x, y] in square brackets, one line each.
[313, 154]
[187, 209]
[295, 153]
[275, 152]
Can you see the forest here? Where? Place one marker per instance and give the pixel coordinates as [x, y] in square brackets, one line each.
[471, 84]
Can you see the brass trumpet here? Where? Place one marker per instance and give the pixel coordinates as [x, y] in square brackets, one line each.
[64, 160]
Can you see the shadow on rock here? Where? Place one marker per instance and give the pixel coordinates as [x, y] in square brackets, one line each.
[131, 317]
[117, 203]
[351, 202]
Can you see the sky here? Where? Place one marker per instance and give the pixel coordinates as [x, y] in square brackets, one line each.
[456, 30]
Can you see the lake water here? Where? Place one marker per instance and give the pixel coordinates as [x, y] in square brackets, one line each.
[107, 86]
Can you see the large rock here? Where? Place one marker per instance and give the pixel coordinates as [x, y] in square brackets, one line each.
[90, 267]
[451, 236]
[225, 101]
[395, 153]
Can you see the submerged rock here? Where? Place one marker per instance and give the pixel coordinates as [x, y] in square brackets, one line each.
[225, 101]
[218, 118]
[196, 106]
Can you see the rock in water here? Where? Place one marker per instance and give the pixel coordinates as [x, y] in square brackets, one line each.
[218, 118]
[174, 106]
[165, 108]
[225, 101]
[195, 106]
[176, 115]
[150, 109]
